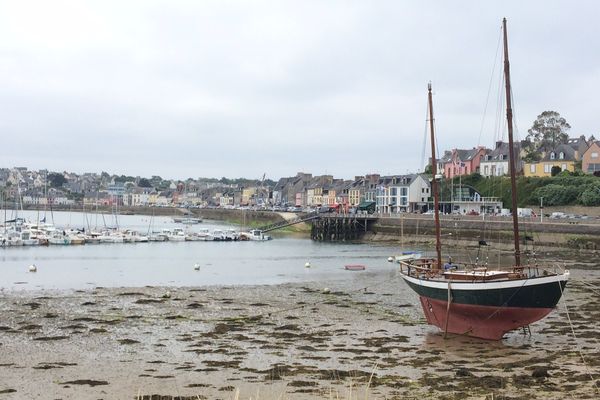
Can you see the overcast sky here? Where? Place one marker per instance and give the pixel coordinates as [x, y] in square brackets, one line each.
[241, 88]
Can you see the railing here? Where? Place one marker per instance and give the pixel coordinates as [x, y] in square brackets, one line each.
[283, 224]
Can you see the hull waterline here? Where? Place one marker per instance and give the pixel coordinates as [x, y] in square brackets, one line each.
[487, 310]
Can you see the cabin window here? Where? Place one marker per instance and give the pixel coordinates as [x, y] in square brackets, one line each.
[532, 168]
[561, 156]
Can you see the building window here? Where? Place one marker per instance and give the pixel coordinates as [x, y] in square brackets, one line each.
[552, 156]
[564, 167]
[594, 155]
[561, 156]
[532, 168]
[485, 170]
[546, 168]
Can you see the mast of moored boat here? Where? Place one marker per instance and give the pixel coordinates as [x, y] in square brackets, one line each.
[434, 183]
[511, 148]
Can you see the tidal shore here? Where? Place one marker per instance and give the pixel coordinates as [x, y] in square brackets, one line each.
[362, 338]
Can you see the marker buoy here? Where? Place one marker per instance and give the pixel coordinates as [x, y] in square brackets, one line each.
[307, 265]
[32, 268]
[390, 259]
[196, 266]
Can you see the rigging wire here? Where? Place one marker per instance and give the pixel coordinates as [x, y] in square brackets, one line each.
[487, 98]
[424, 149]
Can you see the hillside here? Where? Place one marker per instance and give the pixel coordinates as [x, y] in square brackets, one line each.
[560, 190]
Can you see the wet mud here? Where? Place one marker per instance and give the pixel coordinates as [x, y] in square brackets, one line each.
[287, 341]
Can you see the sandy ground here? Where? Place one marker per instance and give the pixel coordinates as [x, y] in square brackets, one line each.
[291, 341]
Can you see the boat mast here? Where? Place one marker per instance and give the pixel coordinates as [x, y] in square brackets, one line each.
[434, 183]
[511, 148]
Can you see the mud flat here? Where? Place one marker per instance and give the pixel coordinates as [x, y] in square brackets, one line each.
[363, 338]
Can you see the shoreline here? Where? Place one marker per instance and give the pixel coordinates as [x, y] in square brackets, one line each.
[295, 341]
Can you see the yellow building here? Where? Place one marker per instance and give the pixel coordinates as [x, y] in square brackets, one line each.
[563, 156]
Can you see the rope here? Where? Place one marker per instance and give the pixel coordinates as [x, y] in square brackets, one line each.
[593, 288]
[576, 343]
[487, 99]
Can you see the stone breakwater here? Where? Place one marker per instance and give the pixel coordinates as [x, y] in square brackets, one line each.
[357, 339]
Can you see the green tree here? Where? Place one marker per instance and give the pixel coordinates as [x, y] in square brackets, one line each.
[144, 183]
[555, 170]
[549, 129]
[590, 196]
[56, 180]
[557, 195]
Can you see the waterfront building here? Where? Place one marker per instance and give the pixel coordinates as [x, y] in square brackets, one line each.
[590, 162]
[461, 162]
[402, 193]
[562, 156]
[496, 162]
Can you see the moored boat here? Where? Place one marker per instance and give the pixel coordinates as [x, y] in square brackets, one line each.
[476, 300]
[254, 234]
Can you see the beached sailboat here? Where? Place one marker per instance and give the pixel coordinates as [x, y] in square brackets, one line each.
[475, 300]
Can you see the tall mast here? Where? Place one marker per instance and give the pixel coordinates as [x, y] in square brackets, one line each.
[434, 183]
[511, 148]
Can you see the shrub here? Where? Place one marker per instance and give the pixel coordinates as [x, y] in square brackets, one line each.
[590, 196]
[557, 195]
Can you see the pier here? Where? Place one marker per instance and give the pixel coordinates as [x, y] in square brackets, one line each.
[340, 228]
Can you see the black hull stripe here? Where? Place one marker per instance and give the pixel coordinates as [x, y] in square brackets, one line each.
[544, 295]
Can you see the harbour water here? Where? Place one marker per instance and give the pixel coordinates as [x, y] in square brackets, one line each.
[172, 263]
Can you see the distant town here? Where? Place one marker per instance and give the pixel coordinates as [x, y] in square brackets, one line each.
[543, 156]
[546, 152]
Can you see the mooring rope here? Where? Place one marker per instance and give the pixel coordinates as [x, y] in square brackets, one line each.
[587, 368]
[593, 288]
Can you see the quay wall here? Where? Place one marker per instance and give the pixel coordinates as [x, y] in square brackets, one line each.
[569, 234]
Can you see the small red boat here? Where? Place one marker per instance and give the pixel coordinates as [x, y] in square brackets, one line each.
[355, 267]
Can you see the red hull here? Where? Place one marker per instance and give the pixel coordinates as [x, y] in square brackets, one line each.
[485, 322]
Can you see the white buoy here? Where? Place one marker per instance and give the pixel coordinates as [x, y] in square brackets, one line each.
[307, 265]
[167, 295]
[32, 268]
[196, 266]
[326, 290]
[390, 259]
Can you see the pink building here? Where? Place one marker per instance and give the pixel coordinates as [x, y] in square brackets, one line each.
[462, 162]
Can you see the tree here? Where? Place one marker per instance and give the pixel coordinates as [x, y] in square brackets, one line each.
[144, 183]
[557, 195]
[548, 130]
[590, 196]
[56, 180]
[555, 170]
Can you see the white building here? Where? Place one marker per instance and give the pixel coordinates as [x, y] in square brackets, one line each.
[402, 193]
